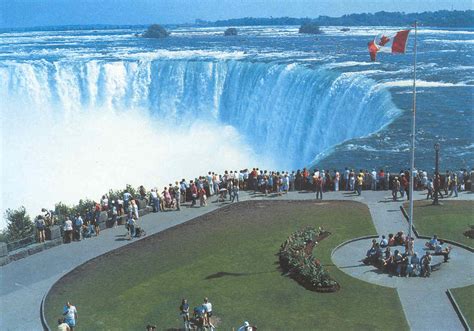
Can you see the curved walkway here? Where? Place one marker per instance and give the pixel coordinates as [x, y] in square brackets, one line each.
[23, 283]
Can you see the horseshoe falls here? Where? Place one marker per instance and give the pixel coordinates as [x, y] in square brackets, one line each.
[88, 110]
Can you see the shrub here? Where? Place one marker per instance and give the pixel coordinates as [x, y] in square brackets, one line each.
[298, 261]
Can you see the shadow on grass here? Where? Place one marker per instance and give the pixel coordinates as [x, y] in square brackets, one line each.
[221, 274]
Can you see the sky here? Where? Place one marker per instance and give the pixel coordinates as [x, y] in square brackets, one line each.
[29, 13]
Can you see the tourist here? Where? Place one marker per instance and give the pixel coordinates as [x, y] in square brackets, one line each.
[167, 197]
[360, 182]
[114, 214]
[40, 226]
[104, 202]
[78, 223]
[430, 188]
[155, 202]
[432, 243]
[62, 325]
[399, 238]
[177, 195]
[70, 313]
[203, 197]
[194, 193]
[391, 240]
[454, 186]
[346, 178]
[208, 311]
[68, 228]
[236, 191]
[126, 200]
[444, 252]
[374, 179]
[383, 242]
[426, 265]
[97, 219]
[131, 227]
[319, 187]
[184, 311]
[414, 266]
[142, 192]
[395, 188]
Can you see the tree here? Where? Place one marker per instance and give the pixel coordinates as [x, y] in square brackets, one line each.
[230, 32]
[310, 28]
[156, 31]
[19, 225]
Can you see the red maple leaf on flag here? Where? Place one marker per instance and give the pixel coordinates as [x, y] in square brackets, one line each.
[384, 40]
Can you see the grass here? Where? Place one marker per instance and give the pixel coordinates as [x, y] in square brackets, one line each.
[464, 297]
[229, 256]
[448, 221]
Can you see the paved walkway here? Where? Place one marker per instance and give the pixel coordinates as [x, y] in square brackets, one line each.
[424, 300]
[23, 283]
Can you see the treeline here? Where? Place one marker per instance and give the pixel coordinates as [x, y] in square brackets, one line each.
[441, 18]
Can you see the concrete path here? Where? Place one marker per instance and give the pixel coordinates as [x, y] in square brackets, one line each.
[23, 283]
[424, 300]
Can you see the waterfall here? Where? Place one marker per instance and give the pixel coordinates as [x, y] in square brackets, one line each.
[287, 112]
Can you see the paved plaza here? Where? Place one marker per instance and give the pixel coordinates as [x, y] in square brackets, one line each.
[24, 283]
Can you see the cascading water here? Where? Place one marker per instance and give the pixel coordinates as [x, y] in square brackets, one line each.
[100, 124]
[288, 112]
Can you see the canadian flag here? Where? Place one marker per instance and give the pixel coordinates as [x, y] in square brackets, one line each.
[394, 43]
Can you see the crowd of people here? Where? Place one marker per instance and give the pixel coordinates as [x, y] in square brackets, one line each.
[227, 187]
[408, 263]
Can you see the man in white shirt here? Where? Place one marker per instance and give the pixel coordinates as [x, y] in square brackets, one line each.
[374, 180]
[208, 307]
[68, 231]
[70, 313]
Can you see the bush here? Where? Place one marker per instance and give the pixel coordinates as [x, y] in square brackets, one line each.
[230, 32]
[298, 261]
[19, 225]
[310, 28]
[155, 31]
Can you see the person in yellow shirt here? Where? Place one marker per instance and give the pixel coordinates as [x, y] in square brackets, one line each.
[360, 182]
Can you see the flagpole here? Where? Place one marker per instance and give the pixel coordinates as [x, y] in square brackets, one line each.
[412, 168]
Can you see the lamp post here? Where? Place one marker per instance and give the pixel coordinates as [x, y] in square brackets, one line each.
[436, 177]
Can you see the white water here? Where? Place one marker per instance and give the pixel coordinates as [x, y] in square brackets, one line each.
[75, 129]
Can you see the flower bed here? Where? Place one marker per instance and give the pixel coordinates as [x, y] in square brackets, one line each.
[298, 261]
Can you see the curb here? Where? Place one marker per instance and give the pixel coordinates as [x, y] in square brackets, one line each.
[458, 310]
[449, 241]
[43, 318]
[352, 240]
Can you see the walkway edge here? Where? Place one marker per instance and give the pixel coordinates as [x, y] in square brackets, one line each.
[43, 318]
[458, 310]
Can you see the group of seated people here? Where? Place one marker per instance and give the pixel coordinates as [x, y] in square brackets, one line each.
[407, 264]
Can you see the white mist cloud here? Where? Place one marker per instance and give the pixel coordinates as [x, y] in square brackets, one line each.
[51, 156]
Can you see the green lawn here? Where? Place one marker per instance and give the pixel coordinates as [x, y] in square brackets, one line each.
[448, 221]
[465, 298]
[229, 256]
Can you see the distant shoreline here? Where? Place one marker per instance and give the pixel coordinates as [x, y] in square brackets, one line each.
[437, 19]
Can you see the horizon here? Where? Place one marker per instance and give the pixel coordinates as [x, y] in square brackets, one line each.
[50, 13]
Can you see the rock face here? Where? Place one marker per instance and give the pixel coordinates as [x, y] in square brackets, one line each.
[310, 28]
[156, 31]
[230, 32]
